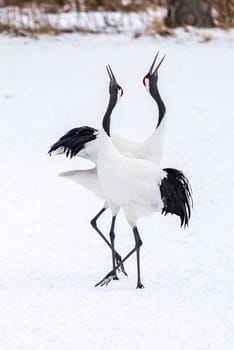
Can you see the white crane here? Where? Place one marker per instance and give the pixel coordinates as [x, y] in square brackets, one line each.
[83, 142]
[136, 185]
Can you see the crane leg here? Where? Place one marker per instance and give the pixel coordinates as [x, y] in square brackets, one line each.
[117, 256]
[110, 276]
[112, 239]
[138, 242]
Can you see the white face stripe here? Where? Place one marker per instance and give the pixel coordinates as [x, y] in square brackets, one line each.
[147, 84]
[120, 92]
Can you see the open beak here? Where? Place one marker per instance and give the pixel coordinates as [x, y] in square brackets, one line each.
[113, 80]
[153, 70]
[111, 74]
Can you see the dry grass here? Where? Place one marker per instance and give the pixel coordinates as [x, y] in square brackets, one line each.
[31, 17]
[158, 26]
[205, 38]
[90, 5]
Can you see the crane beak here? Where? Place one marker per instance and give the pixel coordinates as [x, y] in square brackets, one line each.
[152, 66]
[153, 70]
[113, 81]
[111, 74]
[156, 69]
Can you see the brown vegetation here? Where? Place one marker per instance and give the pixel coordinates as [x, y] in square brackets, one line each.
[90, 5]
[224, 13]
[33, 16]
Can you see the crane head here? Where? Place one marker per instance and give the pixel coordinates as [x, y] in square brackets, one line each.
[114, 87]
[152, 76]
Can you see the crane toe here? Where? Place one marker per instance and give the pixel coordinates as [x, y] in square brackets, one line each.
[107, 279]
[140, 285]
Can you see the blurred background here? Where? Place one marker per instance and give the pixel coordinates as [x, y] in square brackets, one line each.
[26, 17]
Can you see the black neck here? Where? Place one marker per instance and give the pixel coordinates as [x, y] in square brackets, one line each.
[161, 106]
[107, 116]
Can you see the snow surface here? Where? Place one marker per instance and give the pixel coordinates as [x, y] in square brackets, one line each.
[108, 22]
[50, 258]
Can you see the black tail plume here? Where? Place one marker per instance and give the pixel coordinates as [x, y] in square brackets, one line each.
[176, 194]
[74, 141]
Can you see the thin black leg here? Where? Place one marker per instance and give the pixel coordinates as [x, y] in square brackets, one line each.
[138, 242]
[118, 258]
[110, 275]
[93, 223]
[112, 239]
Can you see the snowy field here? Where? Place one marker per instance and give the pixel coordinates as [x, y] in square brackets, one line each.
[50, 258]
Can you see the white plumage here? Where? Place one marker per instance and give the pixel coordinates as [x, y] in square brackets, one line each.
[127, 181]
[151, 149]
[84, 142]
[86, 178]
[137, 185]
[128, 174]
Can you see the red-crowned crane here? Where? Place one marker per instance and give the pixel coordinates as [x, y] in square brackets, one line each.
[136, 185]
[83, 142]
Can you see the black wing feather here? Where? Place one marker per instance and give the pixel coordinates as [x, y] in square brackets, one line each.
[74, 140]
[176, 195]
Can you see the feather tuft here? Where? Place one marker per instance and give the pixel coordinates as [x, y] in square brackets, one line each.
[74, 141]
[176, 195]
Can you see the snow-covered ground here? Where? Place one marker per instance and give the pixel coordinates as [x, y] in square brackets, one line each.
[50, 258]
[105, 22]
